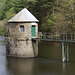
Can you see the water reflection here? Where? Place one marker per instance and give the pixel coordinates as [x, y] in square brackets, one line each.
[50, 50]
[34, 66]
[20, 66]
[65, 68]
[3, 61]
[39, 66]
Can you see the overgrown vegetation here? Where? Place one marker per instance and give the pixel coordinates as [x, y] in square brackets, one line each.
[54, 15]
[64, 15]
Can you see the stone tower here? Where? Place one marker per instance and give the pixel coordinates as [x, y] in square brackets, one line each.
[22, 31]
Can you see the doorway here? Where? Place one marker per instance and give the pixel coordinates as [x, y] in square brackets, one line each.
[33, 31]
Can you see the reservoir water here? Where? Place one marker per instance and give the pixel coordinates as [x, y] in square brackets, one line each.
[48, 62]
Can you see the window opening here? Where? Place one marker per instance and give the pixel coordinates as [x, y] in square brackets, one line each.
[22, 28]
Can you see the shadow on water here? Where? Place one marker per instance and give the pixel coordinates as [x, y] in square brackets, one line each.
[50, 50]
[50, 65]
[53, 50]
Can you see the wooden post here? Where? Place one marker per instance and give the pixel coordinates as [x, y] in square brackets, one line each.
[63, 36]
[51, 37]
[63, 52]
[56, 36]
[67, 53]
[66, 36]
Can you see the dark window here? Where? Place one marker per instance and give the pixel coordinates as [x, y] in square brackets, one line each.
[22, 28]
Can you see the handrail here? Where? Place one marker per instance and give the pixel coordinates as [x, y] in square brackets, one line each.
[58, 36]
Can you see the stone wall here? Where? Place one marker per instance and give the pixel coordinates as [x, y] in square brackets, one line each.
[22, 48]
[14, 29]
[20, 44]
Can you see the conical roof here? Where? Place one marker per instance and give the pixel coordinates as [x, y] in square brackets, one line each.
[23, 16]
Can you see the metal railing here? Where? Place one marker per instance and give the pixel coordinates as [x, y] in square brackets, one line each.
[70, 37]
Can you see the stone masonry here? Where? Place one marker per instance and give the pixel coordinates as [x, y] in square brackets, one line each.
[23, 27]
[21, 44]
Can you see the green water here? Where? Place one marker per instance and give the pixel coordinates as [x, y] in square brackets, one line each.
[50, 50]
[48, 62]
[53, 50]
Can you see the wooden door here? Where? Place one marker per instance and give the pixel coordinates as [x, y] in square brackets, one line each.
[33, 30]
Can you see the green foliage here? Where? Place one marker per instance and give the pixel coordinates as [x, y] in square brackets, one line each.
[10, 13]
[43, 10]
[3, 23]
[53, 15]
[64, 15]
[2, 15]
[4, 27]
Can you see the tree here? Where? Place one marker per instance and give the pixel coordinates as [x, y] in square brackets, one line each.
[64, 15]
[43, 10]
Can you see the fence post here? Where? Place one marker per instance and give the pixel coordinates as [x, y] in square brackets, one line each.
[51, 36]
[56, 36]
[63, 37]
